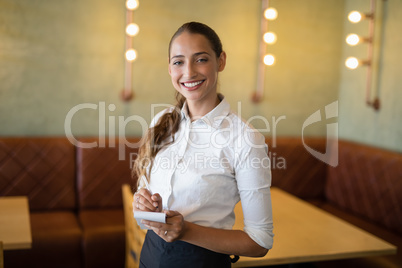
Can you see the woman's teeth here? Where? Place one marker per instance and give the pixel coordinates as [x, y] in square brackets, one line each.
[192, 84]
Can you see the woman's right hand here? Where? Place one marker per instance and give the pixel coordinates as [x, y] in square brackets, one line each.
[145, 201]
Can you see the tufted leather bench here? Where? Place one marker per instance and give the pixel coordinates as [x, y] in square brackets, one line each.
[100, 175]
[44, 170]
[74, 197]
[364, 189]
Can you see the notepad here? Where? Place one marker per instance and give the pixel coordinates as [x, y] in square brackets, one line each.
[150, 216]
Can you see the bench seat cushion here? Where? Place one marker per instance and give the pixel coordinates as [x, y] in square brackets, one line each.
[56, 242]
[103, 235]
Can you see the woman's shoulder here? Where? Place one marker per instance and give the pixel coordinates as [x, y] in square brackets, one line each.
[243, 129]
[156, 118]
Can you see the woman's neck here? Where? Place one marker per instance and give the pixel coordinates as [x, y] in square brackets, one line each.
[197, 110]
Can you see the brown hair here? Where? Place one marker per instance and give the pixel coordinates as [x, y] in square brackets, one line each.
[157, 136]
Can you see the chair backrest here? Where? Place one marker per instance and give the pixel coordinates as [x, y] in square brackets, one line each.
[134, 235]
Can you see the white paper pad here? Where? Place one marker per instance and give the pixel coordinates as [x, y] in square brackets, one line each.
[150, 216]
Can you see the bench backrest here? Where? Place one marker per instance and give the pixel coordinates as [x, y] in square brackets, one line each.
[368, 183]
[100, 173]
[42, 169]
[294, 169]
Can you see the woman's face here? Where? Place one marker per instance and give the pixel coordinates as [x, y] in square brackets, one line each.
[194, 67]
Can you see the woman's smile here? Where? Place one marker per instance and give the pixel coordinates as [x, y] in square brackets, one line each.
[193, 85]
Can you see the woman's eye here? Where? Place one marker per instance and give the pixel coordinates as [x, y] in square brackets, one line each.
[202, 60]
[177, 63]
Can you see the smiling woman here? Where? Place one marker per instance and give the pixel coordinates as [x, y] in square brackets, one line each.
[194, 67]
[199, 197]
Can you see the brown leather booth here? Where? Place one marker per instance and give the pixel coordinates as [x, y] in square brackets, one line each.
[74, 197]
[365, 189]
[76, 204]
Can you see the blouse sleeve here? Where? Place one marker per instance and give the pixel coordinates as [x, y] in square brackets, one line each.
[253, 176]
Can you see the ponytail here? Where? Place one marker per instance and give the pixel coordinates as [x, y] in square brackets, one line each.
[155, 140]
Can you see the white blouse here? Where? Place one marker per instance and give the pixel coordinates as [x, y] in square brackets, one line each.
[213, 163]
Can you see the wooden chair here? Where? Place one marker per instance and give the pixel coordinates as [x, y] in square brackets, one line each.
[134, 235]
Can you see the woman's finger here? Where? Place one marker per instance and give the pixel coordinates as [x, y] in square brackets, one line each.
[143, 201]
[157, 202]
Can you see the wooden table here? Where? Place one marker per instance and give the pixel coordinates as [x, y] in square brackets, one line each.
[305, 233]
[15, 230]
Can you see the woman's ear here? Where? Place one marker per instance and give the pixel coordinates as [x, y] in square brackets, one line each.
[222, 61]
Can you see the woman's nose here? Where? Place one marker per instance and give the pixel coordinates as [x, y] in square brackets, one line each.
[190, 70]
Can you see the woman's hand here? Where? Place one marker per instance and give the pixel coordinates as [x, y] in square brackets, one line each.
[170, 231]
[145, 201]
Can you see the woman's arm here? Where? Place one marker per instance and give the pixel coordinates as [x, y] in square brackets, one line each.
[232, 242]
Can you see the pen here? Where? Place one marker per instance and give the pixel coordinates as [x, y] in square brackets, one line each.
[146, 184]
[148, 188]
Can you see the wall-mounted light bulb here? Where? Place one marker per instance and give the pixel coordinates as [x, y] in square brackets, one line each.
[270, 13]
[269, 59]
[352, 63]
[132, 29]
[270, 38]
[132, 4]
[355, 16]
[352, 39]
[131, 54]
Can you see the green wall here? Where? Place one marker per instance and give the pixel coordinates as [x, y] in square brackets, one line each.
[360, 122]
[55, 55]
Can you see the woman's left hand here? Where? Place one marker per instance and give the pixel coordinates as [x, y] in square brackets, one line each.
[170, 231]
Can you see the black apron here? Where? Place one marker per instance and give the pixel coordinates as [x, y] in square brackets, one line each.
[157, 253]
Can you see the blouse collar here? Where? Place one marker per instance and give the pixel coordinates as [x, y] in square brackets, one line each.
[213, 118]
